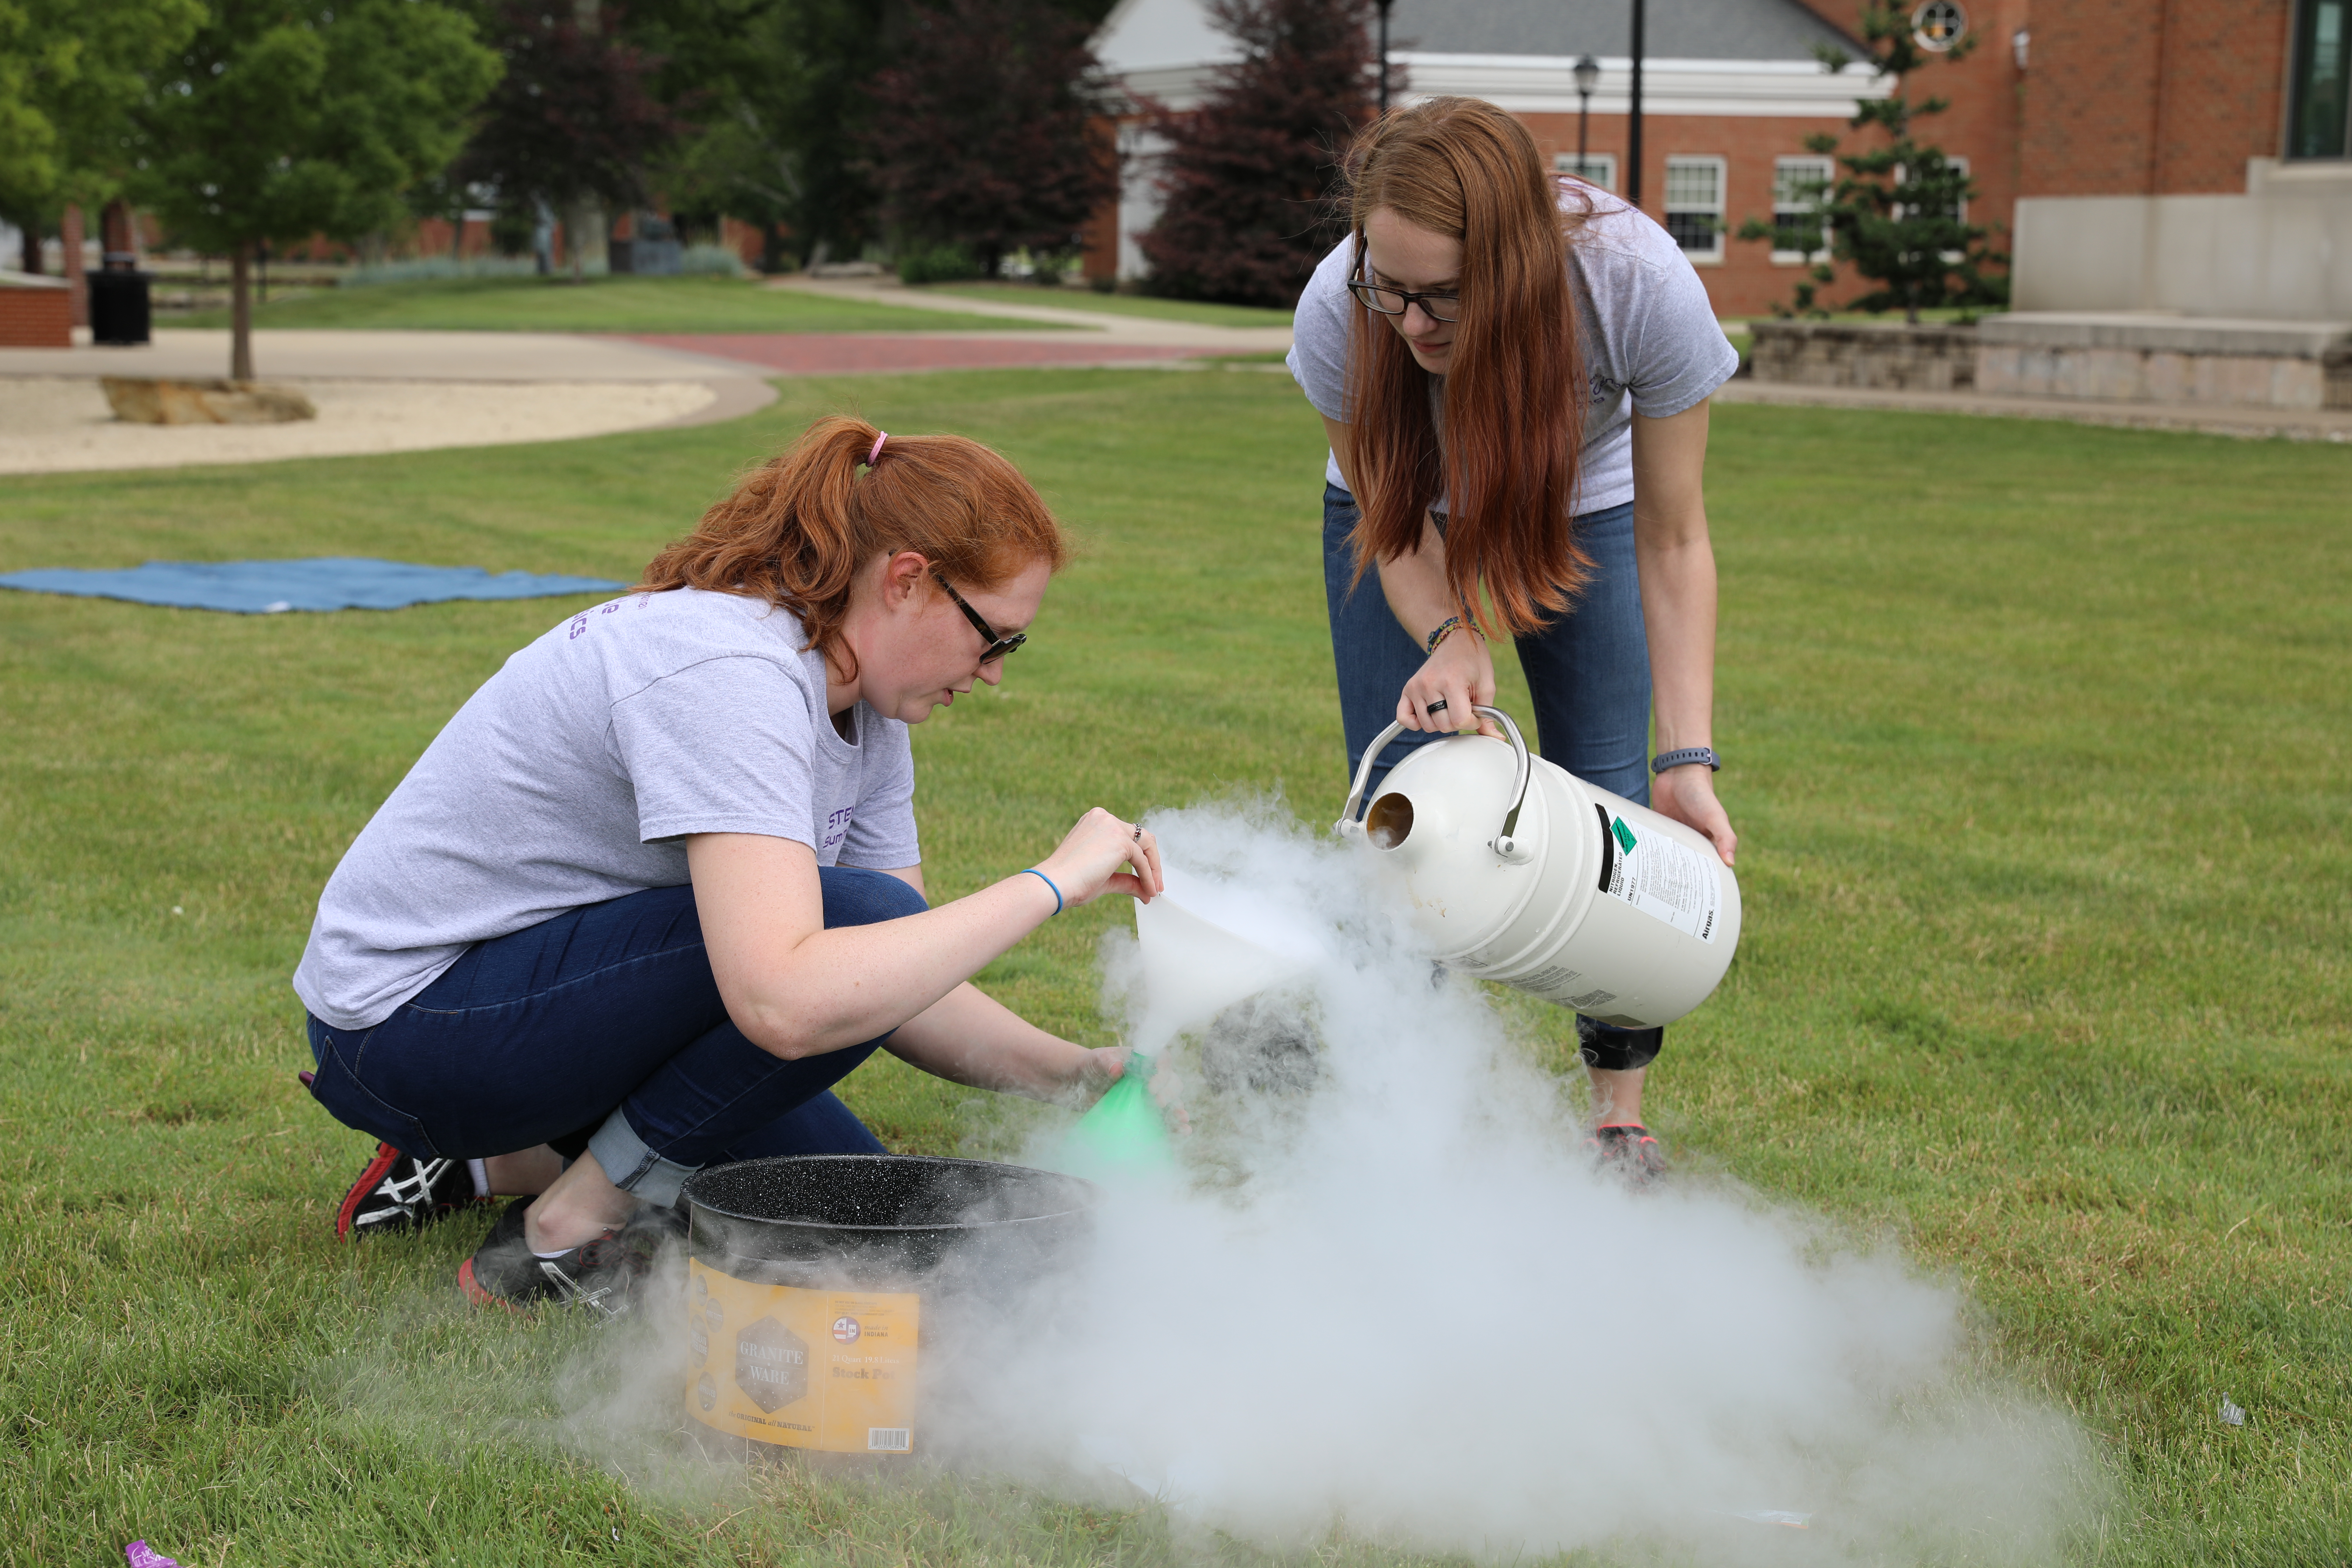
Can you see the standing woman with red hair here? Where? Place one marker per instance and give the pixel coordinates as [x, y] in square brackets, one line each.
[1514, 370]
[656, 889]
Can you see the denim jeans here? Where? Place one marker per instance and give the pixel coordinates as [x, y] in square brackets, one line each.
[1588, 676]
[602, 1018]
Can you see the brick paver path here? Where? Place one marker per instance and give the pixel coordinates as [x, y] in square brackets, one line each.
[842, 353]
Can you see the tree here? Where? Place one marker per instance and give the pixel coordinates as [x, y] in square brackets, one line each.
[574, 120]
[1247, 178]
[71, 72]
[983, 130]
[282, 120]
[779, 147]
[1895, 216]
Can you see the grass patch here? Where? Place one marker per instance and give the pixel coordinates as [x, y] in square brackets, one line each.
[2037, 742]
[602, 304]
[1067, 299]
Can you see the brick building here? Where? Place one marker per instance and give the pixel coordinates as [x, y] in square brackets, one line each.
[2189, 156]
[1731, 90]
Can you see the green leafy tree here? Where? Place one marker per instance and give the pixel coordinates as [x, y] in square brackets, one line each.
[71, 72]
[778, 146]
[1893, 216]
[282, 119]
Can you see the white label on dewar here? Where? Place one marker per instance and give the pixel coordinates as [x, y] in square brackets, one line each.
[1666, 879]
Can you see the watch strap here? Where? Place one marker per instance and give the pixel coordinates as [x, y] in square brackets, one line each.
[1687, 754]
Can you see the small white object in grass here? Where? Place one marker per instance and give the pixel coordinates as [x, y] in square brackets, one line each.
[178, 911]
[2231, 1416]
[276, 607]
[1779, 1516]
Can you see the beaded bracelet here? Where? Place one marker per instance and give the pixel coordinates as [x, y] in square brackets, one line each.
[1451, 623]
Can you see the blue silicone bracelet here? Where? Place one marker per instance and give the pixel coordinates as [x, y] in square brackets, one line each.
[1033, 872]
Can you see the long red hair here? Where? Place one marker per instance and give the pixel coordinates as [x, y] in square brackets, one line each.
[800, 525]
[1514, 389]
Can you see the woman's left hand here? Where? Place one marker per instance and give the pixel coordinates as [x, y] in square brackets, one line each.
[1686, 793]
[1109, 1065]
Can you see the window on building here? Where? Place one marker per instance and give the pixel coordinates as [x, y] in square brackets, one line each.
[1599, 168]
[2319, 116]
[1800, 185]
[1694, 206]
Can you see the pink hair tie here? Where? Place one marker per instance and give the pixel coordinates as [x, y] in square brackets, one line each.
[876, 451]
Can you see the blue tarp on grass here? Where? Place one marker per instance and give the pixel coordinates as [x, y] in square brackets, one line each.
[274, 587]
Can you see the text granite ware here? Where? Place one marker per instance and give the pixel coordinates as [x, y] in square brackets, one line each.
[833, 1300]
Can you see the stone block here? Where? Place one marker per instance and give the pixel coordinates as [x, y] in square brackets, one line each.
[2125, 357]
[142, 400]
[1887, 355]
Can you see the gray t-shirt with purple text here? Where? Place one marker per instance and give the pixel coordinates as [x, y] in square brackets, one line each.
[572, 776]
[1647, 333]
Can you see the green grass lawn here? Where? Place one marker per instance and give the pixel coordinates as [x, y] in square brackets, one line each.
[1069, 299]
[2037, 741]
[604, 304]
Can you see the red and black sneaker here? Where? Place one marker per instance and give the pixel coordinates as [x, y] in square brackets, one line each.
[1627, 1152]
[398, 1192]
[602, 1274]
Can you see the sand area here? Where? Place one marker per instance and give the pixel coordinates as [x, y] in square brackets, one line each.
[53, 425]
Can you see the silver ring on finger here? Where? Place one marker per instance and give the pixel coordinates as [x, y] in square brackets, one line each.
[1138, 833]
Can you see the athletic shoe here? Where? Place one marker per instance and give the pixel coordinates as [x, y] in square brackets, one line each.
[601, 1274]
[398, 1192]
[1628, 1153]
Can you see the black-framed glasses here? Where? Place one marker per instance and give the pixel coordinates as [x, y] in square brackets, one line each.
[997, 647]
[1383, 300]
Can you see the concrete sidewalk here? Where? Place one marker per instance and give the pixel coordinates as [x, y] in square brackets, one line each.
[300, 354]
[1108, 327]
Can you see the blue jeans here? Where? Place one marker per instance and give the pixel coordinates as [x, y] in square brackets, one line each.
[1588, 676]
[607, 1019]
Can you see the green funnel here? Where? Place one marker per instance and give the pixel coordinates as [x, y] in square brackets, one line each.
[1125, 1133]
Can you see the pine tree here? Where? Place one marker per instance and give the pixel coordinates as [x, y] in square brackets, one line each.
[984, 129]
[1247, 176]
[1895, 216]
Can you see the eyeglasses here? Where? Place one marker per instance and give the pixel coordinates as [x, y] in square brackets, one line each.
[1387, 301]
[997, 647]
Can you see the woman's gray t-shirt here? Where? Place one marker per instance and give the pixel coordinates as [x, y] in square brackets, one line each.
[571, 777]
[1648, 335]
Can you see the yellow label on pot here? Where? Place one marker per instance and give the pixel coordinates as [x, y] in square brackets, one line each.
[832, 1370]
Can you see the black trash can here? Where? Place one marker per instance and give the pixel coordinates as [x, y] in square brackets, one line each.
[119, 311]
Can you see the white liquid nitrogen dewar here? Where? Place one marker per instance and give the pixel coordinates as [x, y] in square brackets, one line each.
[1518, 871]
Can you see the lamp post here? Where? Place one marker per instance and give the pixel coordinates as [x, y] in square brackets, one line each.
[1633, 118]
[1384, 5]
[1587, 77]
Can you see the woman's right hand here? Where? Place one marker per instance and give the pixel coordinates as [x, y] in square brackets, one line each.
[1103, 854]
[1461, 676]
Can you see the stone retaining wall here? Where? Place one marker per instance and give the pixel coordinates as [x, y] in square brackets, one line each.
[1887, 355]
[2117, 358]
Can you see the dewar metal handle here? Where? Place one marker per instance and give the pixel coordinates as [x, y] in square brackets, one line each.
[1503, 844]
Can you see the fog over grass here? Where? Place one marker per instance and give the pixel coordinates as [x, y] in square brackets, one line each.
[2035, 738]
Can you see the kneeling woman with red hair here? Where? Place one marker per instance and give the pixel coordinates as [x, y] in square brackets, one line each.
[657, 887]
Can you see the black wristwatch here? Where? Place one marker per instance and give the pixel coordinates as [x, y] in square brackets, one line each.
[1666, 760]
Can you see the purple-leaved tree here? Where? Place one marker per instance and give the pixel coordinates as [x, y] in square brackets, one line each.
[1246, 178]
[988, 129]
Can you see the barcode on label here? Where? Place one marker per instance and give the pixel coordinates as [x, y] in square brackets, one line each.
[887, 1440]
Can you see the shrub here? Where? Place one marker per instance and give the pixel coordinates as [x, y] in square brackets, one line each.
[939, 264]
[439, 269]
[712, 261]
[1247, 174]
